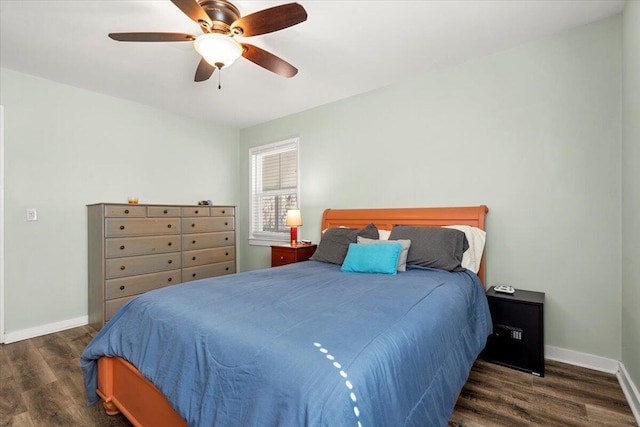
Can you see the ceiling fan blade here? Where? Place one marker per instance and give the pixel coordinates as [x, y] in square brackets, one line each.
[204, 71]
[268, 61]
[269, 20]
[194, 11]
[152, 37]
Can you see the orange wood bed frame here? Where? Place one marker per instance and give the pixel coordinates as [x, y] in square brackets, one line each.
[124, 390]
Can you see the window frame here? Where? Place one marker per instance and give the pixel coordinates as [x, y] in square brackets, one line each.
[268, 238]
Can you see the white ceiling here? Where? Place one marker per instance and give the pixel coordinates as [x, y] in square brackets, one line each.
[343, 49]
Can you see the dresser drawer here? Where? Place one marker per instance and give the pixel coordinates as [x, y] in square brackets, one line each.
[112, 306]
[207, 225]
[208, 256]
[223, 211]
[116, 227]
[163, 211]
[196, 211]
[130, 246]
[122, 267]
[124, 211]
[208, 240]
[210, 270]
[279, 258]
[118, 288]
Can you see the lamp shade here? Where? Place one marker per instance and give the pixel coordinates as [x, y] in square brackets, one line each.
[294, 219]
[217, 49]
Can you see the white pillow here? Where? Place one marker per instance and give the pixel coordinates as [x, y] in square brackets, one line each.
[402, 259]
[384, 234]
[476, 237]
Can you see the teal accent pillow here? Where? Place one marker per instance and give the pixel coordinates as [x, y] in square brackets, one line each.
[374, 258]
[402, 259]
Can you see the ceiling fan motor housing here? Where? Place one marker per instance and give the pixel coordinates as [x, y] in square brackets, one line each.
[222, 14]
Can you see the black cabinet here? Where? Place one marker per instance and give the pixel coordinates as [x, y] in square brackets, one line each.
[518, 330]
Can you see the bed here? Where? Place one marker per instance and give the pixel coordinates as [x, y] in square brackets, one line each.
[302, 344]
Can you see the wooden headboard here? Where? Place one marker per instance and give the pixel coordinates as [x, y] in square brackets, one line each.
[386, 218]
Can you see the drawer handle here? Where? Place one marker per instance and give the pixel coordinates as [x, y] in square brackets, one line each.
[226, 238]
[281, 257]
[197, 212]
[193, 242]
[126, 211]
[122, 267]
[169, 226]
[227, 269]
[226, 223]
[170, 243]
[169, 279]
[227, 254]
[122, 227]
[223, 211]
[193, 275]
[166, 211]
[193, 225]
[170, 261]
[193, 259]
[122, 288]
[122, 248]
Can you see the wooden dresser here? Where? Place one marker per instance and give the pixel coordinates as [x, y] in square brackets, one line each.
[137, 248]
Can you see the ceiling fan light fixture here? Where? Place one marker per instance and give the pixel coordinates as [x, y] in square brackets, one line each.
[218, 49]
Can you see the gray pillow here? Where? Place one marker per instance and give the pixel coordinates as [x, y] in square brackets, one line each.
[334, 244]
[434, 247]
[402, 259]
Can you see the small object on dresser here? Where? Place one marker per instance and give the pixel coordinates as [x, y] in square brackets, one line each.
[205, 203]
[133, 200]
[505, 289]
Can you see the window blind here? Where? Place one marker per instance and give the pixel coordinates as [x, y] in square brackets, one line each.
[274, 188]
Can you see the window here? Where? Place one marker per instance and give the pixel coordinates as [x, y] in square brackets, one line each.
[274, 190]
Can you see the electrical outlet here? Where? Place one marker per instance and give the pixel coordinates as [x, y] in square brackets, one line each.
[32, 214]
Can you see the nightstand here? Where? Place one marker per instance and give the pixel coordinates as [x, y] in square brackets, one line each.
[518, 330]
[287, 254]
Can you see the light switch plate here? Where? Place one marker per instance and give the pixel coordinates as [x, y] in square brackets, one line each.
[32, 214]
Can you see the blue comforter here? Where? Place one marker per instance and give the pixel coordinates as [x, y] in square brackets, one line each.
[304, 344]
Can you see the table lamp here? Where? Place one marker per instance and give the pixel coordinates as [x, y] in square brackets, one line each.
[293, 220]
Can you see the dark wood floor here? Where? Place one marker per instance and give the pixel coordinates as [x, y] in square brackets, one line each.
[567, 396]
[41, 385]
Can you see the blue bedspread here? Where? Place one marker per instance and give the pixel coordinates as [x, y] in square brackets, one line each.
[304, 344]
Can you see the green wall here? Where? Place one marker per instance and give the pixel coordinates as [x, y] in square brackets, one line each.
[631, 192]
[541, 133]
[533, 132]
[65, 148]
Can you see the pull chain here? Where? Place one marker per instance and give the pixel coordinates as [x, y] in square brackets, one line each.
[219, 65]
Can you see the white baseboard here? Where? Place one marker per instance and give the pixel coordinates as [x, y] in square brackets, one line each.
[630, 391]
[585, 360]
[602, 364]
[50, 328]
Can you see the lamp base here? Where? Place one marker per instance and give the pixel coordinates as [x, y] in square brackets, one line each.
[294, 236]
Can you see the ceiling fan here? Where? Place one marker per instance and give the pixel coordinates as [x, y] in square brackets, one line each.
[220, 22]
